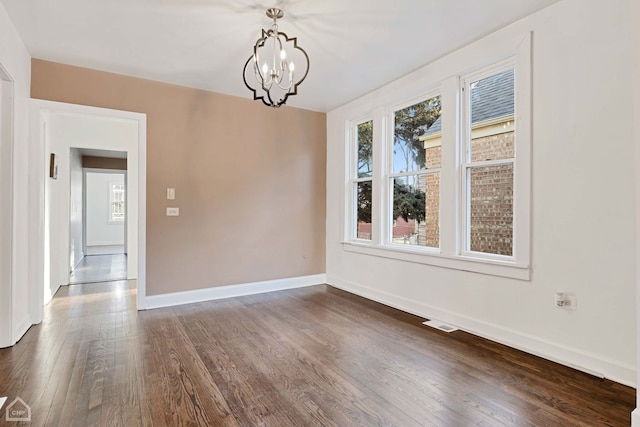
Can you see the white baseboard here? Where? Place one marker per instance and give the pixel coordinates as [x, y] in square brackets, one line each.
[220, 292]
[635, 418]
[49, 293]
[591, 364]
[21, 328]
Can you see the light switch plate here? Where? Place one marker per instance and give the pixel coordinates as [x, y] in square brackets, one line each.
[173, 211]
[171, 193]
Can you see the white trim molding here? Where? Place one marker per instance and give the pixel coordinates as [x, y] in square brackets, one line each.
[221, 292]
[454, 223]
[41, 113]
[573, 358]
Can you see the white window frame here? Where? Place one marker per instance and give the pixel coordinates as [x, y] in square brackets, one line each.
[390, 175]
[352, 191]
[451, 254]
[466, 164]
[111, 220]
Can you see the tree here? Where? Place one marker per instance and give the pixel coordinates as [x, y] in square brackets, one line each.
[409, 125]
[365, 149]
[364, 202]
[408, 202]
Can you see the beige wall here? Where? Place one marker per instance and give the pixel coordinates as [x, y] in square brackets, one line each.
[249, 180]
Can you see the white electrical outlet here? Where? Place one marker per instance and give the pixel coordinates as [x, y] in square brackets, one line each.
[560, 299]
[566, 300]
[173, 211]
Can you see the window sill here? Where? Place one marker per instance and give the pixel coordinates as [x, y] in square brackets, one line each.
[457, 262]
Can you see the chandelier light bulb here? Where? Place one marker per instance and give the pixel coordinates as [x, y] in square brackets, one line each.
[283, 54]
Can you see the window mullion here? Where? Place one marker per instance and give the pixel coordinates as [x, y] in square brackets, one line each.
[449, 205]
[378, 216]
[484, 163]
[522, 179]
[418, 172]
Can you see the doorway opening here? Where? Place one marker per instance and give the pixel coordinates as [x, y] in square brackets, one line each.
[56, 129]
[97, 216]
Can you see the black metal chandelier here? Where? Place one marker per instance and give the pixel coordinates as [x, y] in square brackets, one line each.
[275, 63]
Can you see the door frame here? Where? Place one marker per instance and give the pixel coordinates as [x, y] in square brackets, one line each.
[40, 114]
[86, 171]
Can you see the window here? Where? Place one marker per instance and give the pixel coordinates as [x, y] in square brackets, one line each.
[444, 179]
[116, 202]
[362, 179]
[415, 175]
[488, 162]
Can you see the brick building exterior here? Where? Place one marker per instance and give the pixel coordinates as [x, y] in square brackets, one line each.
[491, 187]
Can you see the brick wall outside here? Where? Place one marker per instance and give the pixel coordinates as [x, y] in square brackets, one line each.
[492, 147]
[491, 210]
[429, 230]
[491, 207]
[491, 197]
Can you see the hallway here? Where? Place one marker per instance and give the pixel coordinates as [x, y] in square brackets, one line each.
[100, 268]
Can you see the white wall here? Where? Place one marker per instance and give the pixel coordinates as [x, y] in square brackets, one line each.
[14, 285]
[100, 231]
[64, 131]
[583, 212]
[6, 190]
[76, 220]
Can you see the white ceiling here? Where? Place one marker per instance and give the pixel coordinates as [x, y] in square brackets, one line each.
[354, 46]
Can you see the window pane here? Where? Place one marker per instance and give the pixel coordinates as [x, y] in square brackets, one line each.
[117, 202]
[365, 153]
[433, 154]
[429, 229]
[492, 117]
[491, 209]
[363, 230]
[416, 215]
[411, 126]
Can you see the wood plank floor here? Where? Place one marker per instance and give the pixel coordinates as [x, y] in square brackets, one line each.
[99, 268]
[314, 356]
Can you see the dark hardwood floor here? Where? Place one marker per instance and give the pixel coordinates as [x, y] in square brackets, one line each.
[304, 357]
